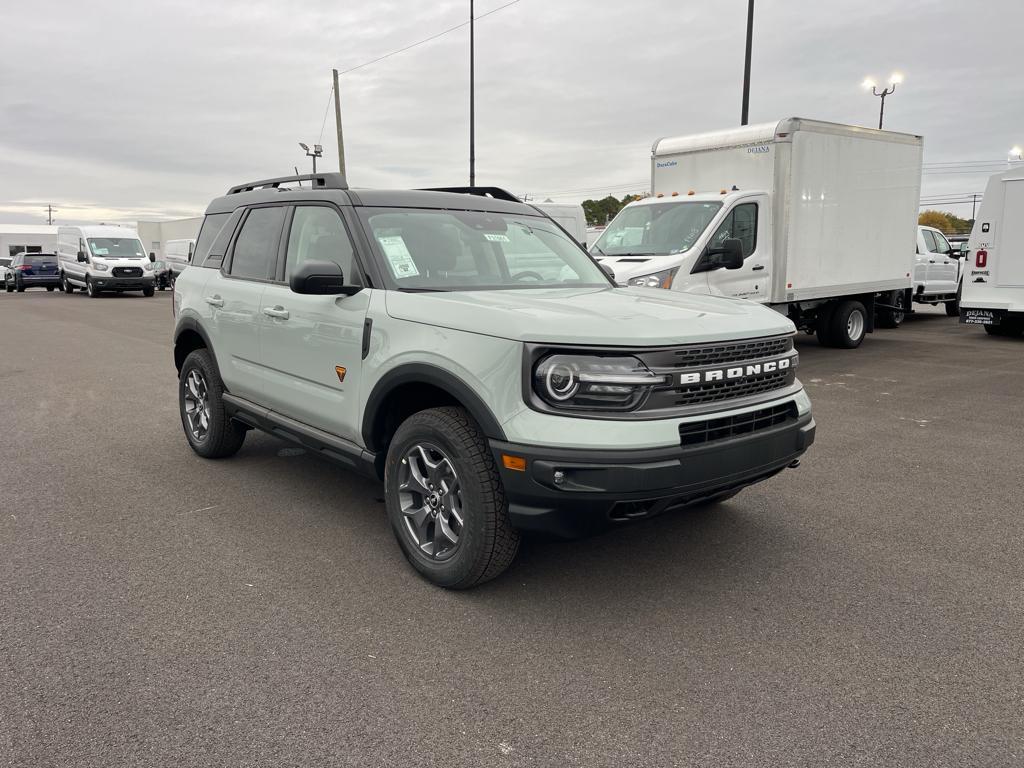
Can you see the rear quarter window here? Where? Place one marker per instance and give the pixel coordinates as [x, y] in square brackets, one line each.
[213, 225]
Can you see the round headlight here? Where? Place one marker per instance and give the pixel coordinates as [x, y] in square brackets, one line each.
[561, 381]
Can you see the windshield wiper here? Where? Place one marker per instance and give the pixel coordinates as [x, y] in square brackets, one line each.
[598, 247]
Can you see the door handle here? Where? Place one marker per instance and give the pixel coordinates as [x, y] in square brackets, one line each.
[278, 312]
[931, 261]
[214, 301]
[758, 268]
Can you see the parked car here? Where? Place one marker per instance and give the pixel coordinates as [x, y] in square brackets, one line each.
[5, 262]
[32, 270]
[178, 255]
[993, 273]
[103, 258]
[162, 275]
[936, 270]
[467, 352]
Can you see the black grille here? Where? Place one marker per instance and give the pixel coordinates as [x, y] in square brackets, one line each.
[730, 353]
[727, 390]
[701, 432]
[127, 271]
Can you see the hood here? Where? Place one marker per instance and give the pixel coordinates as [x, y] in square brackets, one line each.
[628, 267]
[606, 316]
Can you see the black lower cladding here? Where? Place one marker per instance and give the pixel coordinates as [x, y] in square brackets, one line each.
[124, 283]
[572, 492]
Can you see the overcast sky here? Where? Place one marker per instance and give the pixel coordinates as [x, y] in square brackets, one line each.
[145, 109]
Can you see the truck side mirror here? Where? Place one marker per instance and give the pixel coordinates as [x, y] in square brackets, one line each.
[608, 271]
[729, 254]
[320, 278]
[152, 256]
[81, 257]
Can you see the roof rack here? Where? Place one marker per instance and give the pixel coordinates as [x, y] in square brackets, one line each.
[317, 181]
[495, 192]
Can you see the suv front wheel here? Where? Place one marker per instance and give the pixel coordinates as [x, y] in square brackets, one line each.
[445, 500]
[208, 428]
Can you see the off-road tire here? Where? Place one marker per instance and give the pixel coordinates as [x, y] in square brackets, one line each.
[487, 542]
[224, 436]
[840, 323]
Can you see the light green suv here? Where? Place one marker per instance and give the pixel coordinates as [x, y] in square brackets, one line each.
[463, 348]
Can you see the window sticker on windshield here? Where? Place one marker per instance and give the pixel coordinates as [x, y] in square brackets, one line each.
[496, 237]
[100, 251]
[398, 256]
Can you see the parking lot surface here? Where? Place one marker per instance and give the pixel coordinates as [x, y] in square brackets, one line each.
[159, 609]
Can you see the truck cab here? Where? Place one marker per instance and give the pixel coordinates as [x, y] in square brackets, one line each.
[936, 270]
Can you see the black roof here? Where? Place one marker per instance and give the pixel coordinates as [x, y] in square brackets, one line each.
[332, 187]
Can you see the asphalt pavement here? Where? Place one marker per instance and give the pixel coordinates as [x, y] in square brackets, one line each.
[158, 609]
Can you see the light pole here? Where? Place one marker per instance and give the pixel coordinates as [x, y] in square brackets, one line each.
[745, 110]
[894, 79]
[472, 98]
[317, 151]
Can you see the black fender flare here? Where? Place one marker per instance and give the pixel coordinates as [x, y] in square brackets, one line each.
[422, 373]
[189, 323]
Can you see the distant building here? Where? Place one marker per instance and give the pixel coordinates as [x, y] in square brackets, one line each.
[32, 238]
[154, 234]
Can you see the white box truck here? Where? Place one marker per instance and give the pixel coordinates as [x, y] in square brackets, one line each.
[817, 220]
[569, 216]
[992, 290]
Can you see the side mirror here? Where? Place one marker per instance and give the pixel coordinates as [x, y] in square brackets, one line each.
[729, 254]
[320, 278]
[152, 256]
[81, 257]
[608, 271]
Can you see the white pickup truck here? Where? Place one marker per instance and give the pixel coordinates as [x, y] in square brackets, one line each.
[936, 270]
[825, 216]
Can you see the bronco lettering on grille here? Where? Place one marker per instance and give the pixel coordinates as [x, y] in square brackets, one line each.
[735, 372]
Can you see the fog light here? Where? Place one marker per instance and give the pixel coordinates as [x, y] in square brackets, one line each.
[559, 477]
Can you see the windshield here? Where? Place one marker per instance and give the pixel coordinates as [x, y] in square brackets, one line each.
[422, 249]
[116, 247]
[658, 228]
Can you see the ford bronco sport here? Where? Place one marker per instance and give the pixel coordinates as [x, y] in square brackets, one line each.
[463, 348]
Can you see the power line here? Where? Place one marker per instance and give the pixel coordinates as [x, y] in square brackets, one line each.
[327, 109]
[424, 40]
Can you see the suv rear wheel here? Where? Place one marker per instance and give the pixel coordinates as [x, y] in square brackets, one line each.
[208, 428]
[445, 500]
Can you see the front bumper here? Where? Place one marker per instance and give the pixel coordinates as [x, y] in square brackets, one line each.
[601, 487]
[111, 283]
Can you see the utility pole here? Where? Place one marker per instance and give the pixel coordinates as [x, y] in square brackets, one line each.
[472, 101]
[746, 64]
[974, 205]
[50, 210]
[337, 123]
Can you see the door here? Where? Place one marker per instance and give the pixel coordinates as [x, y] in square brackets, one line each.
[232, 298]
[925, 245]
[942, 266]
[311, 346]
[747, 222]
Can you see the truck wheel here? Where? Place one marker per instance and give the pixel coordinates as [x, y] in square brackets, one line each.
[65, 286]
[891, 318]
[849, 323]
[89, 289]
[147, 292]
[445, 500]
[823, 326]
[208, 428]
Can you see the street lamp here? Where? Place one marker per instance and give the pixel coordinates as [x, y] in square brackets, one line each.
[317, 151]
[869, 84]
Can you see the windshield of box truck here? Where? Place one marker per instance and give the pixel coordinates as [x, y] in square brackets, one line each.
[116, 247]
[656, 229]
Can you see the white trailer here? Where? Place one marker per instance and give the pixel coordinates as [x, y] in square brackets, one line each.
[992, 289]
[571, 218]
[817, 220]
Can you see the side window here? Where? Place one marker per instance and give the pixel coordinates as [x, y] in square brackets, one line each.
[929, 241]
[212, 226]
[741, 223]
[255, 253]
[941, 244]
[318, 234]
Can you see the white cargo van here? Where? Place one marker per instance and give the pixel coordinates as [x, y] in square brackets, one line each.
[178, 254]
[570, 217]
[103, 258]
[993, 272]
[817, 220]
